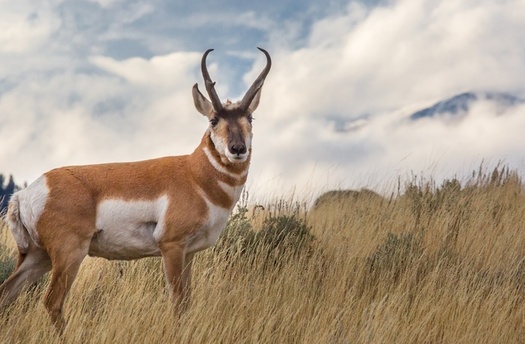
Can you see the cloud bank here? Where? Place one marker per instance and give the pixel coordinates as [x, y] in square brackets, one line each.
[100, 81]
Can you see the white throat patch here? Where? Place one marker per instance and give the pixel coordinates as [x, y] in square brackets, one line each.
[221, 168]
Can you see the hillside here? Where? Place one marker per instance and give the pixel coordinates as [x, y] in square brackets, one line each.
[432, 264]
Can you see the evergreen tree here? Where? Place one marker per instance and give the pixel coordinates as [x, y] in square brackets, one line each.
[2, 194]
[10, 188]
[6, 192]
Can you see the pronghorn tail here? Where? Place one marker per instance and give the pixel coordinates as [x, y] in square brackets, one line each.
[16, 225]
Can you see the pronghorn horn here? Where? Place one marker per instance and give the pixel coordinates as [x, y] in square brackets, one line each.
[210, 85]
[257, 84]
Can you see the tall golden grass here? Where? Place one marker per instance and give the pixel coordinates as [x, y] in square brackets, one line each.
[432, 264]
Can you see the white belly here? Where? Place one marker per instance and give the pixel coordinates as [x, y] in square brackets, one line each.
[128, 229]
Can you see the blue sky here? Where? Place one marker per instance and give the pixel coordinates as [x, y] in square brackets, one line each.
[90, 81]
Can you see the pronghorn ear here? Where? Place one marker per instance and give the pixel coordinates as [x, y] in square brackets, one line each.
[255, 102]
[202, 104]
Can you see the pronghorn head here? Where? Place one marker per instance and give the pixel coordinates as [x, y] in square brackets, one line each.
[230, 123]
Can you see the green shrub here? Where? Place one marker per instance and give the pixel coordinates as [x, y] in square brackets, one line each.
[395, 255]
[237, 231]
[280, 235]
[283, 233]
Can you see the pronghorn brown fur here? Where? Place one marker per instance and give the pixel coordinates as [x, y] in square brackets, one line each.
[170, 207]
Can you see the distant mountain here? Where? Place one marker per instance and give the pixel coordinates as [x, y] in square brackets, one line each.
[461, 103]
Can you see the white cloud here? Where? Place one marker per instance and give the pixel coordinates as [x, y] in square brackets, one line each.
[65, 100]
[168, 71]
[106, 3]
[386, 57]
[142, 109]
[25, 25]
[376, 60]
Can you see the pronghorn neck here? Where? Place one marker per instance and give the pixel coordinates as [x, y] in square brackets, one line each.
[218, 178]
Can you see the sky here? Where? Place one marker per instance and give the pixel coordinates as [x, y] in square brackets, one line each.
[93, 81]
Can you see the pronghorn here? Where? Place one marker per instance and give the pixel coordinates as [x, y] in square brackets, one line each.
[170, 207]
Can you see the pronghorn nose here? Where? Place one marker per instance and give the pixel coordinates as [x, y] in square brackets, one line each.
[238, 148]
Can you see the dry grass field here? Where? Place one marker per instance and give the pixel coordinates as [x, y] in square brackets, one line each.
[430, 264]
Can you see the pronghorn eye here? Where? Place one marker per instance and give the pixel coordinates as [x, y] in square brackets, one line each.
[214, 121]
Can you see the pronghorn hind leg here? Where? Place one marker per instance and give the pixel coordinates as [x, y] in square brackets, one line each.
[30, 267]
[66, 263]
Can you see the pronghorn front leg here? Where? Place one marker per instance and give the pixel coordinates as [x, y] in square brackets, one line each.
[186, 281]
[173, 263]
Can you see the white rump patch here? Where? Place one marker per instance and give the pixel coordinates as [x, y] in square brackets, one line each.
[31, 203]
[128, 229]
